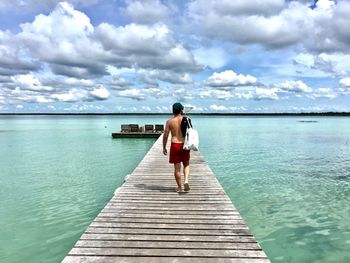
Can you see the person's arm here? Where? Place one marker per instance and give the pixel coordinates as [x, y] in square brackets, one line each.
[165, 137]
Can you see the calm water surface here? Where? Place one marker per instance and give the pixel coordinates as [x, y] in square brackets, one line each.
[290, 180]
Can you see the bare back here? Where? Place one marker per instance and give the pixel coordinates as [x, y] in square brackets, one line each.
[174, 125]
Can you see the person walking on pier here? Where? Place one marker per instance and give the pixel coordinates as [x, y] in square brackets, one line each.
[177, 126]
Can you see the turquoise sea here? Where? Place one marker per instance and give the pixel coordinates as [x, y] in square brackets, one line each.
[289, 179]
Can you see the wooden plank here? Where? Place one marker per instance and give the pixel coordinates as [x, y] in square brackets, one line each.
[170, 238]
[144, 231]
[213, 253]
[165, 216]
[166, 244]
[169, 220]
[167, 225]
[163, 259]
[147, 221]
[168, 212]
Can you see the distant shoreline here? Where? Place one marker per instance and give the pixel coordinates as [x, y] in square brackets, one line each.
[193, 114]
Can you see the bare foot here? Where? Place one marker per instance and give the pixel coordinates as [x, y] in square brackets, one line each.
[187, 187]
[179, 190]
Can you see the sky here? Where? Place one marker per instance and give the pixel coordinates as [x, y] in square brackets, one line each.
[128, 56]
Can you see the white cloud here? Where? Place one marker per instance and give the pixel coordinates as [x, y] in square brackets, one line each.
[161, 109]
[100, 93]
[146, 108]
[146, 11]
[134, 93]
[237, 109]
[276, 24]
[225, 19]
[72, 46]
[336, 64]
[155, 92]
[84, 108]
[64, 39]
[294, 86]
[215, 107]
[152, 76]
[78, 82]
[237, 7]
[345, 82]
[29, 82]
[266, 94]
[38, 5]
[229, 78]
[246, 95]
[72, 95]
[147, 46]
[119, 82]
[216, 94]
[323, 93]
[13, 61]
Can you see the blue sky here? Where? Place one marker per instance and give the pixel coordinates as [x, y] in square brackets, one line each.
[142, 56]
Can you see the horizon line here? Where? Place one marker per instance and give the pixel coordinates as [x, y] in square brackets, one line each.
[196, 113]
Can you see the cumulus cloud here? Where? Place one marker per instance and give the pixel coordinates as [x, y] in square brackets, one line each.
[133, 93]
[118, 82]
[238, 7]
[345, 82]
[65, 40]
[250, 93]
[100, 93]
[276, 24]
[216, 94]
[146, 11]
[84, 107]
[72, 95]
[146, 46]
[336, 64]
[266, 94]
[216, 107]
[29, 88]
[11, 63]
[75, 95]
[152, 76]
[229, 78]
[294, 86]
[5, 5]
[29, 82]
[72, 46]
[225, 20]
[323, 93]
[146, 108]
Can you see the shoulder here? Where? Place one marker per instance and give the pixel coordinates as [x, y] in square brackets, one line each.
[169, 122]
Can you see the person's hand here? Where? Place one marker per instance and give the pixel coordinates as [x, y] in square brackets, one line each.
[165, 152]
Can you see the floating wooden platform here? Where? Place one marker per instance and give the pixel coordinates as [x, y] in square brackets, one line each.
[136, 134]
[147, 221]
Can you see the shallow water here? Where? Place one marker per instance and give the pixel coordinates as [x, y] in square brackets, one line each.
[290, 180]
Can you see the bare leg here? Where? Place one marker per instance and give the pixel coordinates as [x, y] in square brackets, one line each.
[186, 175]
[186, 170]
[177, 168]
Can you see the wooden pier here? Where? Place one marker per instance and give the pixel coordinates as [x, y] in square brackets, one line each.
[147, 221]
[136, 134]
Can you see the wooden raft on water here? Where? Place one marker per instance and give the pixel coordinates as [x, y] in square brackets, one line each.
[147, 221]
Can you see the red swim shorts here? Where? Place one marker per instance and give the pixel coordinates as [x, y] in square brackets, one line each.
[178, 154]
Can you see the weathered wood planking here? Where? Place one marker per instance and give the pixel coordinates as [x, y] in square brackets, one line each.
[147, 221]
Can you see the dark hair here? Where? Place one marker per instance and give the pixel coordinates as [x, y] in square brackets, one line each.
[177, 111]
[177, 108]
